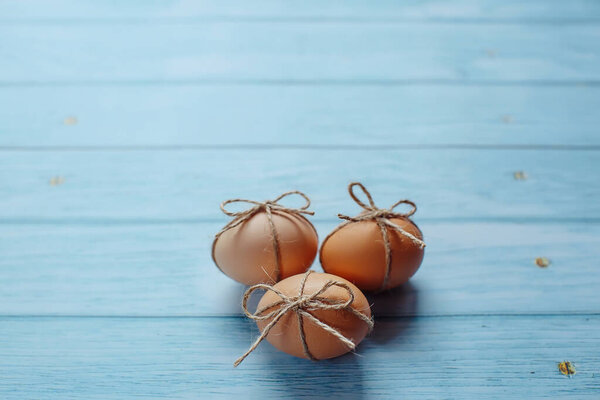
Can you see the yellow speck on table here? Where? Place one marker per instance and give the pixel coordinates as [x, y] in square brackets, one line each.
[542, 262]
[566, 368]
[57, 180]
[70, 121]
[520, 175]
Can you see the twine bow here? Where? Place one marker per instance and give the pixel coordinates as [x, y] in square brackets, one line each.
[301, 305]
[269, 206]
[382, 216]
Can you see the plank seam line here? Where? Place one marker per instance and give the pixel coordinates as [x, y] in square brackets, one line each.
[305, 82]
[108, 221]
[316, 147]
[308, 19]
[240, 316]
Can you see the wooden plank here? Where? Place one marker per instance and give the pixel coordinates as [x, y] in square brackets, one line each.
[425, 358]
[530, 11]
[298, 53]
[166, 269]
[290, 115]
[186, 185]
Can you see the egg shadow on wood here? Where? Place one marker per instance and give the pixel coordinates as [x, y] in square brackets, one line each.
[283, 375]
[300, 379]
[276, 374]
[400, 302]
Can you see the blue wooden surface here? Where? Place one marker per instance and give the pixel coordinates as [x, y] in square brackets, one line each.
[375, 115]
[161, 269]
[540, 11]
[187, 185]
[298, 53]
[461, 357]
[122, 126]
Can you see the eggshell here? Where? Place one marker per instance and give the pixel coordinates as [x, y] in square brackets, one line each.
[357, 252]
[285, 335]
[245, 253]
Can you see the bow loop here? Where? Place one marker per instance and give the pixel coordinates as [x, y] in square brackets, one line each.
[305, 197]
[372, 210]
[255, 204]
[258, 315]
[372, 205]
[407, 214]
[267, 204]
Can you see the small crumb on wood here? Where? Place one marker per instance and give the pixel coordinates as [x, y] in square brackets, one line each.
[542, 262]
[520, 175]
[507, 119]
[566, 368]
[70, 121]
[57, 180]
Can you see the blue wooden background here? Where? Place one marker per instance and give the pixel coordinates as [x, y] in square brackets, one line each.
[124, 125]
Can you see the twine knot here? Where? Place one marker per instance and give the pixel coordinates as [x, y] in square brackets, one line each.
[381, 215]
[301, 304]
[268, 206]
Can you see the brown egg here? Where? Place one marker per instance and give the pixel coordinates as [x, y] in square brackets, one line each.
[246, 254]
[357, 253]
[285, 335]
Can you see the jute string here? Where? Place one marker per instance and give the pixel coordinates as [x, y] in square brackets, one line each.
[382, 217]
[302, 305]
[269, 207]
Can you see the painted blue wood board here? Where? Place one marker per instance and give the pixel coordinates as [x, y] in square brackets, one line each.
[447, 184]
[536, 11]
[299, 52]
[157, 115]
[154, 112]
[187, 358]
[166, 269]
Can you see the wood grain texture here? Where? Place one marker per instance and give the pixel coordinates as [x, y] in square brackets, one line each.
[166, 269]
[425, 358]
[534, 11]
[186, 185]
[124, 125]
[158, 115]
[298, 53]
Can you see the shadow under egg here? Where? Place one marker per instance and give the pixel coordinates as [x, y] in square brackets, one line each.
[297, 378]
[395, 309]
